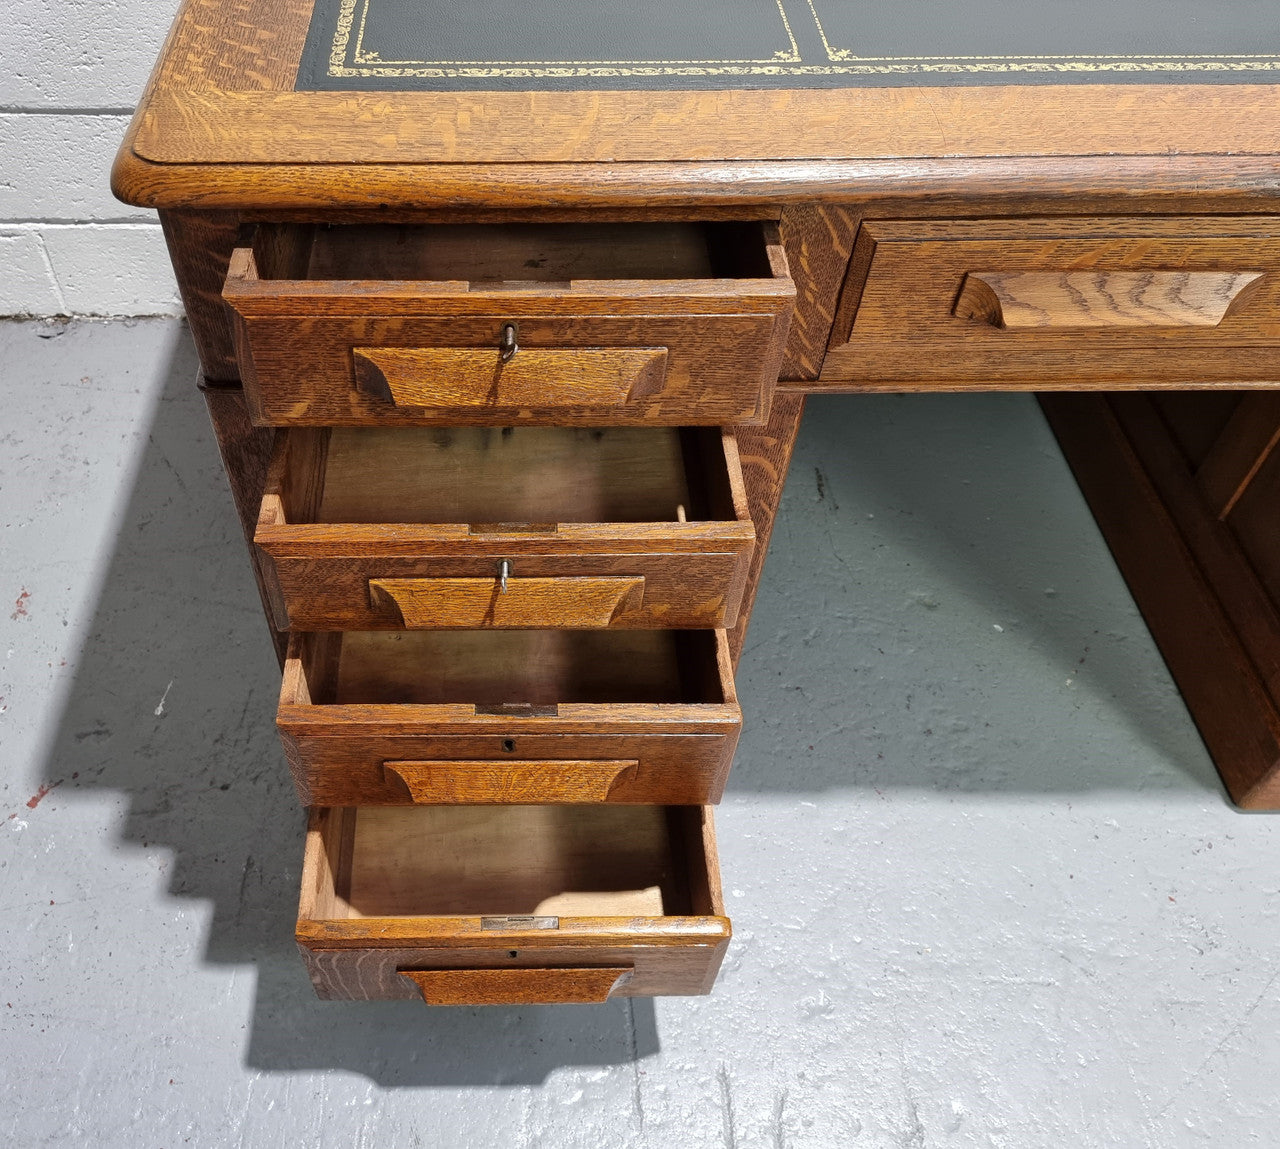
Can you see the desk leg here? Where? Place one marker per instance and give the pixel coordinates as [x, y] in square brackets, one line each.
[1188, 507]
[766, 455]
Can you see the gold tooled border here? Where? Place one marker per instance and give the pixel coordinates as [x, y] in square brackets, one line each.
[366, 63]
[845, 60]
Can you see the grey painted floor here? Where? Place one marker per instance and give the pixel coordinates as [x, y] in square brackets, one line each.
[986, 888]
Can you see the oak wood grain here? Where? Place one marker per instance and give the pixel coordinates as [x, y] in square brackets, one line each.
[684, 768]
[564, 603]
[1177, 182]
[530, 781]
[234, 45]
[456, 377]
[766, 457]
[200, 246]
[1101, 299]
[903, 328]
[374, 973]
[818, 238]
[304, 343]
[188, 126]
[678, 585]
[555, 986]
[351, 702]
[499, 860]
[544, 668]
[491, 253]
[222, 89]
[1201, 618]
[345, 508]
[362, 958]
[1216, 550]
[471, 476]
[1240, 450]
[1252, 521]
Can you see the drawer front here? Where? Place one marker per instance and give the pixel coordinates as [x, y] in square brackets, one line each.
[651, 349]
[512, 765]
[673, 590]
[657, 710]
[566, 975]
[1045, 303]
[339, 560]
[396, 905]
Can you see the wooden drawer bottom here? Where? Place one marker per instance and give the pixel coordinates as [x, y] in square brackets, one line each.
[458, 717]
[511, 904]
[412, 527]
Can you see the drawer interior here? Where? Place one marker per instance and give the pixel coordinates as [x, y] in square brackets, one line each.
[485, 476]
[510, 669]
[572, 861]
[545, 254]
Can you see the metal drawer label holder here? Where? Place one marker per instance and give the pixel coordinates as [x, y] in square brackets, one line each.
[519, 922]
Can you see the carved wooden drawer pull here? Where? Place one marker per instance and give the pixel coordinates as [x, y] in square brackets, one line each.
[471, 603]
[517, 986]
[498, 377]
[485, 782]
[1027, 299]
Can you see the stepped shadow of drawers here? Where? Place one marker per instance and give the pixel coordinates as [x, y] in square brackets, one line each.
[205, 778]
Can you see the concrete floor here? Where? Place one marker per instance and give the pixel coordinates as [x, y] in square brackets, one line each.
[985, 885]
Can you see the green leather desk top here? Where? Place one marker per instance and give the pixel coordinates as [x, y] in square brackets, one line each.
[531, 45]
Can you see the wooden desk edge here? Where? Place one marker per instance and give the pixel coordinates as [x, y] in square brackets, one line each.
[1197, 183]
[179, 124]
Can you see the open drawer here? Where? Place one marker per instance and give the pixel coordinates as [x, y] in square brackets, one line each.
[509, 716]
[504, 323]
[390, 528]
[511, 905]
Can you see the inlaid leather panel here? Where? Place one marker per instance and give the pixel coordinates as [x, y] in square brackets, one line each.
[550, 44]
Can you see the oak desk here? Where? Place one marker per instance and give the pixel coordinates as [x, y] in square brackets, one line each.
[953, 204]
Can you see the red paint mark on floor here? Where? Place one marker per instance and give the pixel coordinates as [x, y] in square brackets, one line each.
[20, 605]
[39, 795]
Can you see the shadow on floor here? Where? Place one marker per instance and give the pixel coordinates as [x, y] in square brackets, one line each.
[178, 618]
[910, 525]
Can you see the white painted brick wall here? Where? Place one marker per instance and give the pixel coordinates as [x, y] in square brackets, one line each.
[70, 74]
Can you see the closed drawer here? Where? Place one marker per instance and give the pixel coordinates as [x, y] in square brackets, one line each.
[1044, 303]
[390, 528]
[499, 324]
[511, 905]
[509, 716]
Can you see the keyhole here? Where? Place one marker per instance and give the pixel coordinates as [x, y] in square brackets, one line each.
[509, 745]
